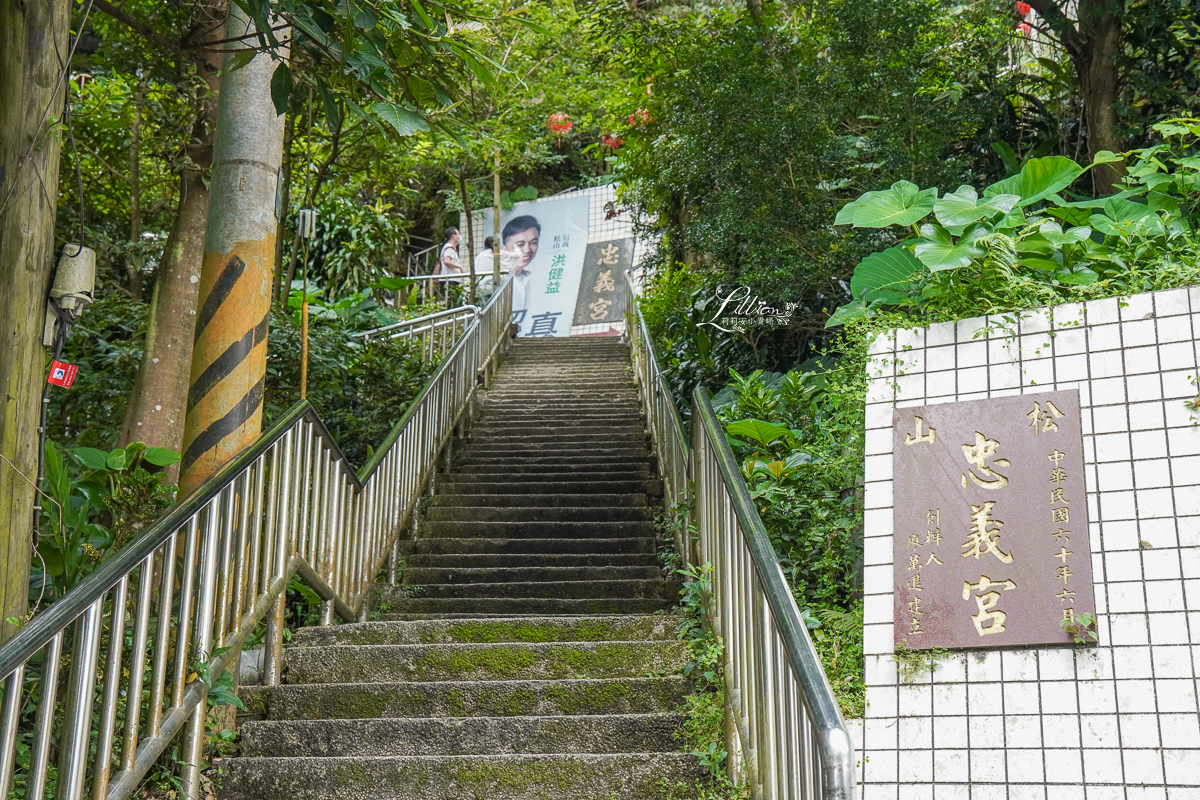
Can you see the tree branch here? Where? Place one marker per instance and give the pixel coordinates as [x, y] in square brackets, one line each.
[140, 27]
[1057, 20]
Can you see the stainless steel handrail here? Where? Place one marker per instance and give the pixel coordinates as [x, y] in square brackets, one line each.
[437, 332]
[193, 587]
[793, 739]
[661, 416]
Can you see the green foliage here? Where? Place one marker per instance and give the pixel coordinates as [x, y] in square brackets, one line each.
[106, 345]
[95, 511]
[1025, 241]
[1082, 628]
[360, 389]
[354, 242]
[912, 663]
[757, 135]
[704, 712]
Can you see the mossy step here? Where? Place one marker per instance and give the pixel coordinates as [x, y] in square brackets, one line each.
[473, 484]
[626, 628]
[503, 544]
[475, 662]
[559, 514]
[475, 698]
[447, 497]
[398, 608]
[537, 529]
[632, 776]
[425, 576]
[652, 588]
[525, 560]
[441, 736]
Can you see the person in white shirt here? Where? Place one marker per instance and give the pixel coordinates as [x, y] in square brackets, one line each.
[486, 260]
[448, 263]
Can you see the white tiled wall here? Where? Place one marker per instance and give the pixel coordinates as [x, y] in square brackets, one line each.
[1117, 720]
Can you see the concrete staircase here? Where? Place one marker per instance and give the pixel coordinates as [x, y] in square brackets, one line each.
[521, 657]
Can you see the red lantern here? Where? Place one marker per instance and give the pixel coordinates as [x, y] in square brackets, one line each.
[1022, 8]
[1024, 28]
[612, 140]
[560, 123]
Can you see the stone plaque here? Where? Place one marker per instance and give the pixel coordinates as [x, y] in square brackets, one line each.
[990, 522]
[601, 296]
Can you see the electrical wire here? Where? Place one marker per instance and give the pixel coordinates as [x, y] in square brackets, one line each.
[62, 326]
[66, 70]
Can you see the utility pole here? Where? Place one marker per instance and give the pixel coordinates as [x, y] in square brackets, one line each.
[229, 359]
[34, 70]
[496, 225]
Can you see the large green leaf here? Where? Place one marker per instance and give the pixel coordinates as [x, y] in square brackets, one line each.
[1054, 234]
[160, 456]
[762, 432]
[404, 121]
[891, 268]
[937, 249]
[91, 458]
[903, 204]
[1038, 179]
[960, 208]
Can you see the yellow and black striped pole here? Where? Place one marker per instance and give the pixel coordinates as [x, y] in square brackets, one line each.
[229, 359]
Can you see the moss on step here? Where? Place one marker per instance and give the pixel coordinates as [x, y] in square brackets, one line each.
[483, 632]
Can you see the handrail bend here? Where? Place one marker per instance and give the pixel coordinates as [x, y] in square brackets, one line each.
[139, 635]
[793, 739]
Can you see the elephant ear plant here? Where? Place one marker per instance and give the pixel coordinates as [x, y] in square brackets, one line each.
[1023, 226]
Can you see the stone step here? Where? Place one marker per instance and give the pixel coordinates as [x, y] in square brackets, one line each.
[539, 559]
[510, 629]
[456, 484]
[452, 736]
[505, 698]
[520, 426]
[604, 470]
[542, 464]
[426, 576]
[481, 662]
[505, 546]
[582, 435]
[538, 529]
[633, 776]
[559, 514]
[564, 452]
[472, 606]
[446, 496]
[652, 588]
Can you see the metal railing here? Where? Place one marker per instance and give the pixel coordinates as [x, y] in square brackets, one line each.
[793, 740]
[661, 416]
[140, 636]
[437, 332]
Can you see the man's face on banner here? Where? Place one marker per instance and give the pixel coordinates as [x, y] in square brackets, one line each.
[526, 243]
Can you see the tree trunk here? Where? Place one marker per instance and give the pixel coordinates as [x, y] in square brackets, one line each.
[135, 189]
[471, 246]
[229, 358]
[1092, 41]
[1100, 28]
[157, 404]
[33, 50]
[289, 133]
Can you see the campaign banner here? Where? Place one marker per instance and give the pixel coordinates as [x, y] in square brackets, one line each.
[547, 242]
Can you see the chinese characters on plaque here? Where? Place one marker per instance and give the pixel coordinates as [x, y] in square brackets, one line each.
[601, 298]
[990, 522]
